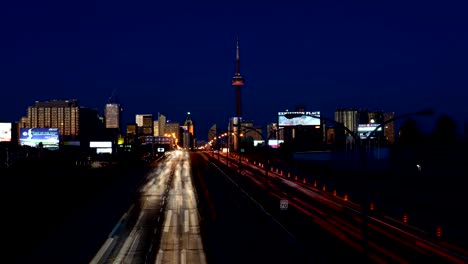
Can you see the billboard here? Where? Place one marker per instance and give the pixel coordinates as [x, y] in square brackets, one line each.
[275, 143]
[364, 130]
[49, 137]
[100, 144]
[258, 142]
[103, 150]
[298, 119]
[5, 132]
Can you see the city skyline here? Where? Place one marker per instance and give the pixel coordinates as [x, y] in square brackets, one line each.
[172, 60]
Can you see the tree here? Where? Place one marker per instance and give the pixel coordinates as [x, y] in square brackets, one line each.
[409, 133]
[445, 131]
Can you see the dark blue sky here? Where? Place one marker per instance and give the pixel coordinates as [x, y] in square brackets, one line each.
[179, 57]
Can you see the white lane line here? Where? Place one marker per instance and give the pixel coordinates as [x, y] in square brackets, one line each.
[130, 239]
[201, 252]
[202, 256]
[186, 221]
[160, 256]
[101, 252]
[168, 221]
[183, 258]
[133, 248]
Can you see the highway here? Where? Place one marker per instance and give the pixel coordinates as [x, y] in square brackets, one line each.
[181, 240]
[162, 226]
[388, 240]
[239, 228]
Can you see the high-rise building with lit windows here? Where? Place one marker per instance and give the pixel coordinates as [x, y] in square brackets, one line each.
[349, 118]
[112, 116]
[73, 122]
[145, 124]
[173, 129]
[389, 129]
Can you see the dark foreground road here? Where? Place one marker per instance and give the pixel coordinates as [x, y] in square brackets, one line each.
[237, 229]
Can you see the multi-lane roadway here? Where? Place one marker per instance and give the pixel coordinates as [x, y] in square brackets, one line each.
[378, 238]
[163, 225]
[194, 208]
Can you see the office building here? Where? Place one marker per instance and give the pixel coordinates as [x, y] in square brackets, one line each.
[159, 126]
[275, 132]
[173, 129]
[145, 124]
[389, 129]
[212, 133]
[112, 116]
[250, 132]
[73, 122]
[349, 118]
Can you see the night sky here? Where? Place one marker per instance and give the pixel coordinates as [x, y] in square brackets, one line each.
[175, 56]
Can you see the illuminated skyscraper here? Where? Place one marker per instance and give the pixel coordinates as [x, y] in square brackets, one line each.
[349, 118]
[112, 116]
[145, 124]
[73, 122]
[162, 124]
[173, 129]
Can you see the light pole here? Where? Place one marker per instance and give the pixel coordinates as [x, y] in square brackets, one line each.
[266, 162]
[239, 137]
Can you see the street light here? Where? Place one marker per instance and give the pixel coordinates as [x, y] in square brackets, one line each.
[239, 137]
[266, 162]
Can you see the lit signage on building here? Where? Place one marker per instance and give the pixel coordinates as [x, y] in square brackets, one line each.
[274, 143]
[364, 130]
[103, 150]
[258, 142]
[5, 132]
[34, 137]
[298, 119]
[100, 144]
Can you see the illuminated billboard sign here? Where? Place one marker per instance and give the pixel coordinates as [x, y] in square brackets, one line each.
[298, 119]
[364, 130]
[100, 144]
[274, 143]
[258, 142]
[103, 150]
[33, 137]
[5, 132]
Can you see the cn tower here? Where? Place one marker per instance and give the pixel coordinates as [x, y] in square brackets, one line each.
[238, 82]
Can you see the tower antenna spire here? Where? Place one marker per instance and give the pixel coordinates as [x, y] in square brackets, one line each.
[238, 80]
[237, 56]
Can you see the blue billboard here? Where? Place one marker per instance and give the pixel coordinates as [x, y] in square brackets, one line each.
[34, 137]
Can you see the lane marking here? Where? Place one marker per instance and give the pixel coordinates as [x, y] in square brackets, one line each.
[160, 256]
[186, 221]
[183, 258]
[168, 221]
[101, 251]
